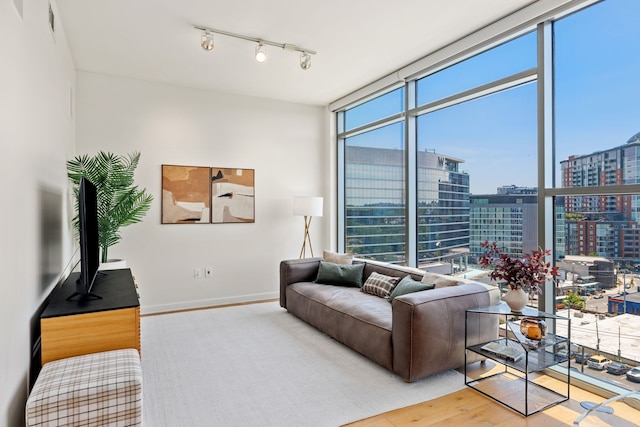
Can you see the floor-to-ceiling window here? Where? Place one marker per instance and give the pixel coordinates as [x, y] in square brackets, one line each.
[597, 150]
[467, 151]
[461, 117]
[458, 157]
[374, 179]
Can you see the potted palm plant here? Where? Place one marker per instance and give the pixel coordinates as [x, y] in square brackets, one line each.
[120, 202]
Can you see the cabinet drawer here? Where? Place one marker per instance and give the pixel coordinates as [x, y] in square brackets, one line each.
[79, 334]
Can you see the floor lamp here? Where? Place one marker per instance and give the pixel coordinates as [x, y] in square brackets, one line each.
[308, 207]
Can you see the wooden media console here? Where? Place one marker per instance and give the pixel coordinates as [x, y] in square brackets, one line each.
[83, 326]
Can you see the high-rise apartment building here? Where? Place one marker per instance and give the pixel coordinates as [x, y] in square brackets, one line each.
[603, 225]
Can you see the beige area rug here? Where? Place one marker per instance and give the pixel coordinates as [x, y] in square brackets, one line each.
[257, 365]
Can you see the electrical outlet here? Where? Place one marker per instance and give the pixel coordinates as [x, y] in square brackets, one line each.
[208, 272]
[197, 273]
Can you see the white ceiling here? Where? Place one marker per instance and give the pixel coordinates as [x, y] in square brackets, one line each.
[358, 41]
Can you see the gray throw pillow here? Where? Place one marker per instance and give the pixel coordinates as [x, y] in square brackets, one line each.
[340, 274]
[407, 285]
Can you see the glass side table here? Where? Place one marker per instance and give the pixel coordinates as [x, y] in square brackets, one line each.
[524, 347]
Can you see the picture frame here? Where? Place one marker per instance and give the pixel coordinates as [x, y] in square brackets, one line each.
[186, 194]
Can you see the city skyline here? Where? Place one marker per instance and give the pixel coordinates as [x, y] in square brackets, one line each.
[595, 101]
[435, 217]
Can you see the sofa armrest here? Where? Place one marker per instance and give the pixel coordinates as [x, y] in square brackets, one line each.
[429, 328]
[296, 270]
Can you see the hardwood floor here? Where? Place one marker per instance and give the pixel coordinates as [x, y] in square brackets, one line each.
[468, 407]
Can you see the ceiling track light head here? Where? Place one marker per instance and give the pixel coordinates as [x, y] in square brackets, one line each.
[206, 41]
[261, 55]
[305, 61]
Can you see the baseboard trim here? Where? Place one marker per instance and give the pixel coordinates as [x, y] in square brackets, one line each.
[149, 310]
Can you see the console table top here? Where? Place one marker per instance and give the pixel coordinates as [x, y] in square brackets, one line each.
[116, 287]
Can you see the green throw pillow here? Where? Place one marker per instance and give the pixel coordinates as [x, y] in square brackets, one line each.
[407, 285]
[340, 274]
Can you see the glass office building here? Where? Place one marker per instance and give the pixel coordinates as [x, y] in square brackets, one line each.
[509, 219]
[375, 205]
[443, 210]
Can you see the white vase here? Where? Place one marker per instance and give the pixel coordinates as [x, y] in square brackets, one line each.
[516, 299]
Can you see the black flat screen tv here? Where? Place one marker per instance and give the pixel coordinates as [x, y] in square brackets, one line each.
[89, 243]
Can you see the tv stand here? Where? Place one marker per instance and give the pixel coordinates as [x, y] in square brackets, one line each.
[73, 327]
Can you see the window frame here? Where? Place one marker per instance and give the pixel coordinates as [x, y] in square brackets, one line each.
[547, 179]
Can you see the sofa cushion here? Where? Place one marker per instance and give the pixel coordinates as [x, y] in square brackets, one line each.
[407, 285]
[379, 285]
[330, 273]
[440, 280]
[337, 258]
[359, 320]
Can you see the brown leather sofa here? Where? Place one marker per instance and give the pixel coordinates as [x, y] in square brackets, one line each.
[418, 335]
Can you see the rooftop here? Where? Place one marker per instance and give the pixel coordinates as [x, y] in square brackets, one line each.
[614, 332]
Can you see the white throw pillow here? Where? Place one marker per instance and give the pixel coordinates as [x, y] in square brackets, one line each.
[440, 280]
[337, 258]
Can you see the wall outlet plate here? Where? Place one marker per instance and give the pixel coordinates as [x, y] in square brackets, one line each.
[197, 273]
[208, 272]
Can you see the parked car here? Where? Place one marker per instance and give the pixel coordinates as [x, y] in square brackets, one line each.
[598, 296]
[617, 368]
[564, 355]
[598, 362]
[634, 374]
[582, 360]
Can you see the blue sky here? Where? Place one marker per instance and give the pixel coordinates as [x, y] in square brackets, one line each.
[597, 88]
[598, 77]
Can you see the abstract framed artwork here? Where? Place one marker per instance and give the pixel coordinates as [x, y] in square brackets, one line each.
[186, 194]
[206, 195]
[232, 195]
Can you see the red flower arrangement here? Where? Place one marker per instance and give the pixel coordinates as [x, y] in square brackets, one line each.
[527, 273]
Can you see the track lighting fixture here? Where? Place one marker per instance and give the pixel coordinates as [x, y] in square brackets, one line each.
[206, 42]
[261, 56]
[305, 61]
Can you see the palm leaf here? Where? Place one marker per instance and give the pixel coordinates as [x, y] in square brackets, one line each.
[120, 202]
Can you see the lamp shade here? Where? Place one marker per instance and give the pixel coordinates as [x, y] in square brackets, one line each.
[307, 206]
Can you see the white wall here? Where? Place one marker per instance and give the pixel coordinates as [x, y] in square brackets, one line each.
[287, 144]
[37, 134]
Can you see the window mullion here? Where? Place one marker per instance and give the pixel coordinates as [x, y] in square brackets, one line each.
[546, 217]
[411, 168]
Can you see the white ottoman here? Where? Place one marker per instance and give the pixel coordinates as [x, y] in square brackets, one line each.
[100, 389]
